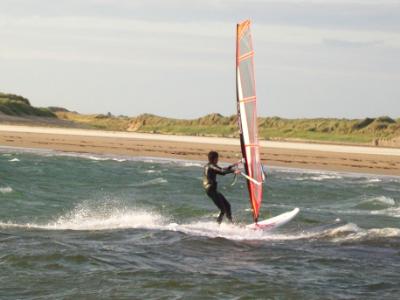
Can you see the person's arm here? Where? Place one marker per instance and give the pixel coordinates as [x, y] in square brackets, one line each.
[222, 171]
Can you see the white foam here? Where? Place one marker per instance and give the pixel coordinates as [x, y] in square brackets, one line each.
[155, 181]
[119, 159]
[114, 220]
[14, 160]
[390, 212]
[97, 158]
[382, 206]
[152, 171]
[374, 180]
[5, 189]
[349, 227]
[397, 180]
[89, 219]
[192, 164]
[351, 232]
[231, 231]
[325, 177]
[86, 218]
[316, 176]
[381, 200]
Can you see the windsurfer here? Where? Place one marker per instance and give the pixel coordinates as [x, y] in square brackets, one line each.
[211, 170]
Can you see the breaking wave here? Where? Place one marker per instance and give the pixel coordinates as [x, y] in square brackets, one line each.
[374, 203]
[381, 205]
[391, 212]
[351, 232]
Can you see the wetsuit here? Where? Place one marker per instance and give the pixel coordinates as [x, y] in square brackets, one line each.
[210, 186]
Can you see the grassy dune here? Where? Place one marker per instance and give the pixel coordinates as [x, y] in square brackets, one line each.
[14, 105]
[359, 131]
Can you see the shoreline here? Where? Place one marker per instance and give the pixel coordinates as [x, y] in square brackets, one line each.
[341, 158]
[192, 162]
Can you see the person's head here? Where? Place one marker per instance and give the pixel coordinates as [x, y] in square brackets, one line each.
[213, 157]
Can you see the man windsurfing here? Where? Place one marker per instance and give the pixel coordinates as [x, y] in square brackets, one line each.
[210, 185]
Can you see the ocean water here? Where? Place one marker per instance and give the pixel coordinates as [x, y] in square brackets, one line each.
[97, 227]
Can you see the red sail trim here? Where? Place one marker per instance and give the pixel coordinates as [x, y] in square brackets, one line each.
[248, 99]
[241, 27]
[247, 55]
[247, 114]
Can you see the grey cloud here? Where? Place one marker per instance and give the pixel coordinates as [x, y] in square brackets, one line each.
[377, 15]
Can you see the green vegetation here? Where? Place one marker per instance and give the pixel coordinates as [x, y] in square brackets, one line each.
[210, 125]
[15, 105]
[335, 130]
[104, 122]
[329, 130]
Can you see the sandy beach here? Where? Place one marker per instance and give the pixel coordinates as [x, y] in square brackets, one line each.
[374, 160]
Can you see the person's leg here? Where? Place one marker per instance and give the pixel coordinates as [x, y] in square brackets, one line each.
[220, 217]
[226, 205]
[213, 194]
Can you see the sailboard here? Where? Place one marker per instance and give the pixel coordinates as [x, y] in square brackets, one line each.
[248, 128]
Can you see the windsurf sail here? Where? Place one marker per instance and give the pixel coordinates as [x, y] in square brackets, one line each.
[247, 115]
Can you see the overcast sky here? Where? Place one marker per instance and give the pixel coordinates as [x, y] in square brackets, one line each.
[314, 58]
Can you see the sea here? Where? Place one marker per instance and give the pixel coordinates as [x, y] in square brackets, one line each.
[83, 226]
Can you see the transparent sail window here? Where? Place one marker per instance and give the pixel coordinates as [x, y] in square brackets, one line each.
[245, 43]
[247, 77]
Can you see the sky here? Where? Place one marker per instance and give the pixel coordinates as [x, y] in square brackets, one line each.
[176, 58]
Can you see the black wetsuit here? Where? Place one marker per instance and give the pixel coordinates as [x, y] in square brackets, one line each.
[210, 186]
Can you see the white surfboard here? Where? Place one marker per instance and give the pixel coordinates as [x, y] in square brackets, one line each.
[275, 222]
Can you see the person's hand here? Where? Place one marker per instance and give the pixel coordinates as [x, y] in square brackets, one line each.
[237, 171]
[232, 166]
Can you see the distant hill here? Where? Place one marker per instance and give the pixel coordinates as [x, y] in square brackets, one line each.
[14, 105]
